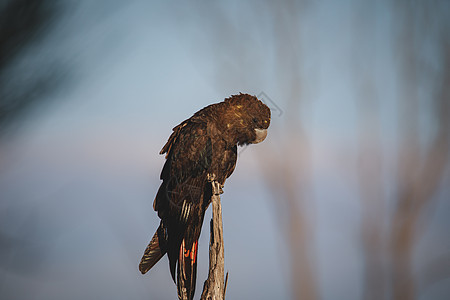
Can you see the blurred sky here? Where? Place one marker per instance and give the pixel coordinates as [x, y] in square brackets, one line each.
[79, 173]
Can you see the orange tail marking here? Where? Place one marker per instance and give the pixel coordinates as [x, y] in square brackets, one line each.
[194, 252]
[190, 253]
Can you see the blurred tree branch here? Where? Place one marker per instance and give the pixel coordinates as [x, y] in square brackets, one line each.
[370, 156]
[418, 174]
[289, 181]
[23, 24]
[420, 168]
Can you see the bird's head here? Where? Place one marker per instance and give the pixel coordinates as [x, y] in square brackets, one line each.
[247, 119]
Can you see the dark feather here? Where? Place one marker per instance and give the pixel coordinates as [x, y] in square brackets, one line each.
[155, 250]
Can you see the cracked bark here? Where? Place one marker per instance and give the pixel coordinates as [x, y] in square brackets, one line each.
[214, 287]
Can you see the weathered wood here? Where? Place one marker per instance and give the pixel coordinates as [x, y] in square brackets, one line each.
[214, 286]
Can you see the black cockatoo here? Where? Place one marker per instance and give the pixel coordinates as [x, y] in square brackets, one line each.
[206, 143]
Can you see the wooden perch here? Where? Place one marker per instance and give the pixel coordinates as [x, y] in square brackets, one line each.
[214, 287]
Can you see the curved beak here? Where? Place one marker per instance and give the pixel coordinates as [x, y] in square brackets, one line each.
[260, 135]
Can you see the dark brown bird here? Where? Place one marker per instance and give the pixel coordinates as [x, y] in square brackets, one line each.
[206, 143]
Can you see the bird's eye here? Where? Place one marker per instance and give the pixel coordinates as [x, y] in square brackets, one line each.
[255, 120]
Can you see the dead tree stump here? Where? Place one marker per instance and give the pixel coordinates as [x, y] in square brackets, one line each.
[214, 287]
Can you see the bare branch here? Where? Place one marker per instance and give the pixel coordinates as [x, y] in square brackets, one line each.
[214, 286]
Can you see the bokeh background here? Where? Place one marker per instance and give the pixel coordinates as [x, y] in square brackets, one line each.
[348, 197]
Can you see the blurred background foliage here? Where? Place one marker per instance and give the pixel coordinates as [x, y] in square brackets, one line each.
[348, 198]
[24, 25]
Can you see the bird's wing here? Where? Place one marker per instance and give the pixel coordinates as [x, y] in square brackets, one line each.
[183, 197]
[189, 155]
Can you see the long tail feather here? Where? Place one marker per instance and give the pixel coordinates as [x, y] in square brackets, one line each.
[154, 251]
[187, 270]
